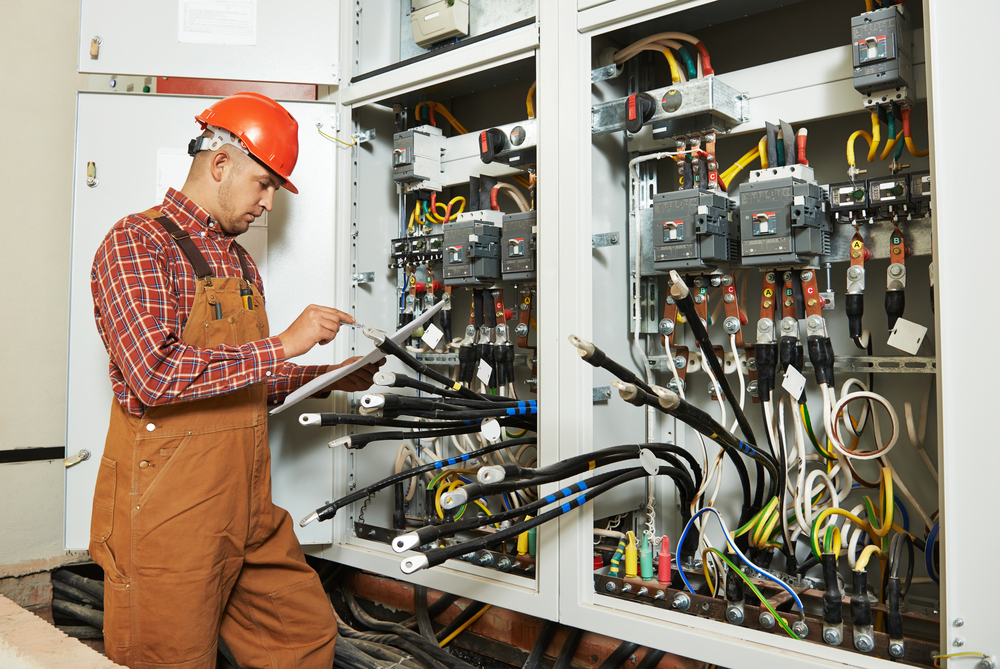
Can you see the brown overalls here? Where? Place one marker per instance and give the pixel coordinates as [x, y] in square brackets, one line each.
[183, 524]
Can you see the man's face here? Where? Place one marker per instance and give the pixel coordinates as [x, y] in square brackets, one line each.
[244, 194]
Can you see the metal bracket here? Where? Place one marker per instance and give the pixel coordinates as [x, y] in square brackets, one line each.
[364, 136]
[603, 239]
[76, 459]
[602, 393]
[363, 277]
[604, 73]
[900, 96]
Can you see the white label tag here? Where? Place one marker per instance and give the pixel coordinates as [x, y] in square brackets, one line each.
[648, 461]
[793, 382]
[432, 16]
[490, 430]
[907, 336]
[484, 372]
[432, 335]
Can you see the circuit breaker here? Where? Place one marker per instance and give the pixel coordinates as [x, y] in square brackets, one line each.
[517, 248]
[693, 229]
[783, 217]
[847, 198]
[890, 195]
[437, 20]
[472, 248]
[882, 48]
[416, 158]
[419, 250]
[920, 192]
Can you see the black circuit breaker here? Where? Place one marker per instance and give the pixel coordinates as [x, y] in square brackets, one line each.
[920, 191]
[517, 247]
[472, 249]
[882, 44]
[783, 219]
[693, 229]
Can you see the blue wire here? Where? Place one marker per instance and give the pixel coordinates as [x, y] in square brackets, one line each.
[736, 550]
[929, 553]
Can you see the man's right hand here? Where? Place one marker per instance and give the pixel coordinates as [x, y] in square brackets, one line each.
[315, 325]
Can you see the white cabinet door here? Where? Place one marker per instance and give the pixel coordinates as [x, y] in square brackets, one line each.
[255, 40]
[128, 138]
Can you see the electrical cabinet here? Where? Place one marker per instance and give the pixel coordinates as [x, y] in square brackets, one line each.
[624, 176]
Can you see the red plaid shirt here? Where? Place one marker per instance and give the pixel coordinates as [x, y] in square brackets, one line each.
[144, 288]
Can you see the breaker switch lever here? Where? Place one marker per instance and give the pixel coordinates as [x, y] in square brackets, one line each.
[491, 142]
[639, 110]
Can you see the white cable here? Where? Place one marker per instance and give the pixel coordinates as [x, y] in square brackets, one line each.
[834, 435]
[715, 384]
[906, 493]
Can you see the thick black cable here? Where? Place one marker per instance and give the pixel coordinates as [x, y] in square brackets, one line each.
[438, 414]
[403, 381]
[619, 655]
[389, 347]
[542, 641]
[416, 641]
[88, 585]
[328, 511]
[349, 656]
[476, 489]
[467, 613]
[686, 305]
[598, 358]
[363, 439]
[892, 570]
[69, 593]
[80, 612]
[565, 658]
[437, 556]
[386, 653]
[429, 533]
[651, 659]
[335, 419]
[421, 613]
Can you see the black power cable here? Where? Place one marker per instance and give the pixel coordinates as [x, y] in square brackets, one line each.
[565, 658]
[542, 641]
[619, 655]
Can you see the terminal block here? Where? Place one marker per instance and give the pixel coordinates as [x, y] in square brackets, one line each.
[783, 218]
[472, 249]
[416, 158]
[693, 229]
[517, 248]
[847, 198]
[889, 196]
[418, 250]
[882, 45]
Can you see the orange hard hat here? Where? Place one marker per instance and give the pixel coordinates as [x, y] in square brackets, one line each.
[270, 133]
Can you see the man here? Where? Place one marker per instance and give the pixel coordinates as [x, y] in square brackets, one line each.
[183, 524]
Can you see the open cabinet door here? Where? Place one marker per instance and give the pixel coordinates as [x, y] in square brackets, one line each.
[137, 147]
[252, 40]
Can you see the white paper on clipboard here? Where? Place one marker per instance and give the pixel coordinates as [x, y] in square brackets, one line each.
[321, 382]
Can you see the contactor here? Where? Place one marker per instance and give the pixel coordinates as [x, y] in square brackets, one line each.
[882, 45]
[517, 250]
[416, 158]
[472, 249]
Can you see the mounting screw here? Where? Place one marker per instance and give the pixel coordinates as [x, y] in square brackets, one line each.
[988, 662]
[864, 643]
[731, 325]
[896, 649]
[610, 586]
[764, 325]
[626, 587]
[680, 362]
[666, 327]
[752, 388]
[681, 602]
[832, 636]
[959, 622]
[521, 330]
[643, 591]
[958, 642]
[659, 594]
[801, 629]
[485, 559]
[734, 615]
[854, 273]
[766, 620]
[807, 275]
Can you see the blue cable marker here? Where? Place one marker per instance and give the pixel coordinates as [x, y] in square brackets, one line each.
[736, 550]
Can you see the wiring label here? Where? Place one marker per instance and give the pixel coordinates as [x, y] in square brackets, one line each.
[484, 372]
[793, 382]
[907, 336]
[432, 335]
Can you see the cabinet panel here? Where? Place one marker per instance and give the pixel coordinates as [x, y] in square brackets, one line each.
[278, 43]
[295, 246]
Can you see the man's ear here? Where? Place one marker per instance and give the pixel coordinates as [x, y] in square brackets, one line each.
[218, 164]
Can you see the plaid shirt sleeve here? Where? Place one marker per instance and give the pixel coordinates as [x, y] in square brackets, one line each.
[290, 376]
[135, 302]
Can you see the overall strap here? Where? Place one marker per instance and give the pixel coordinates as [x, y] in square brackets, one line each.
[188, 247]
[241, 254]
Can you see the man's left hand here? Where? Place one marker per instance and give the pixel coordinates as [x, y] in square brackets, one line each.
[356, 381]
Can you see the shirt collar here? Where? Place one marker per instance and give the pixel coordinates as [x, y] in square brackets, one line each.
[189, 213]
